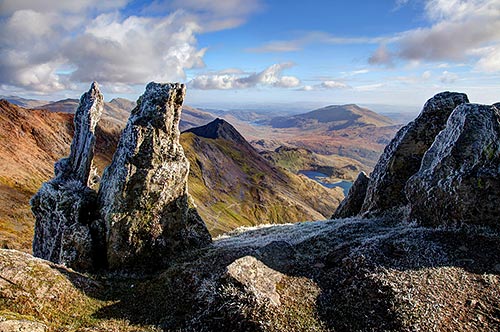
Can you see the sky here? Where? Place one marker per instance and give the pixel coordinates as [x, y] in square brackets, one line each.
[243, 53]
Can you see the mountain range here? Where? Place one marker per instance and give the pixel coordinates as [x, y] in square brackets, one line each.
[231, 183]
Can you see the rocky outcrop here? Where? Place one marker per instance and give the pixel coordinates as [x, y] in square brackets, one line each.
[65, 207]
[459, 179]
[351, 205]
[402, 157]
[143, 196]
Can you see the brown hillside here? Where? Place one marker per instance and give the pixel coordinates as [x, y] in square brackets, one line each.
[34, 139]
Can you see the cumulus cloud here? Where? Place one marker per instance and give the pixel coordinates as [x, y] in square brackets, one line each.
[459, 28]
[448, 77]
[210, 15]
[325, 85]
[52, 45]
[271, 76]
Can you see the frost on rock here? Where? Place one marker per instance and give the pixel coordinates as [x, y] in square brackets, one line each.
[402, 157]
[459, 178]
[65, 206]
[143, 196]
[351, 205]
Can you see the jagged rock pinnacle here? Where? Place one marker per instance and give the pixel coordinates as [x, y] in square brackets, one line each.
[64, 207]
[143, 196]
[401, 158]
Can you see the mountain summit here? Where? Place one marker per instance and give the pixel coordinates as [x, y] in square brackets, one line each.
[335, 117]
[219, 129]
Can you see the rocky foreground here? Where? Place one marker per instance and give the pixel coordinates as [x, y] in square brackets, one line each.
[417, 249]
[338, 275]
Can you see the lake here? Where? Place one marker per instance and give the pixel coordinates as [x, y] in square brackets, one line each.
[318, 177]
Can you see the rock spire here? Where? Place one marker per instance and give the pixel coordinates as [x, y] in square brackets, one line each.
[65, 207]
[143, 196]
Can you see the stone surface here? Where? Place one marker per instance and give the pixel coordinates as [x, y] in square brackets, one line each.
[257, 279]
[65, 207]
[21, 326]
[402, 157]
[143, 196]
[351, 205]
[459, 180]
[78, 165]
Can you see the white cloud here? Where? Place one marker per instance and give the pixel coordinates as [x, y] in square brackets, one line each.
[8, 7]
[312, 37]
[325, 85]
[369, 87]
[426, 75]
[271, 76]
[490, 59]
[458, 28]
[51, 45]
[210, 15]
[333, 85]
[448, 77]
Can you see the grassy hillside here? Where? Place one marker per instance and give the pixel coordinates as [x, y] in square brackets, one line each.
[233, 185]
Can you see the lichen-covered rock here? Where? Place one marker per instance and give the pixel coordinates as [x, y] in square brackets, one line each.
[65, 207]
[402, 157]
[351, 205]
[258, 280]
[459, 180]
[143, 196]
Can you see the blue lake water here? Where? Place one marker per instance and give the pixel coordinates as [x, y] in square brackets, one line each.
[318, 177]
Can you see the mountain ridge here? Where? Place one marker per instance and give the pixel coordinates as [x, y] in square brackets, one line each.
[334, 116]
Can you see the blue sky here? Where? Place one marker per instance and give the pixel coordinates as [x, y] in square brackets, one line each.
[241, 53]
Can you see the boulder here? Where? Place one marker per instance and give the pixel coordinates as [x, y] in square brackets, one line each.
[459, 179]
[143, 196]
[351, 205]
[257, 279]
[402, 157]
[65, 206]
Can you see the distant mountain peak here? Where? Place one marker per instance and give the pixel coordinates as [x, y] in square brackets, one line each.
[219, 128]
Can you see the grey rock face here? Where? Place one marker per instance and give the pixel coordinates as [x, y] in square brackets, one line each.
[402, 157]
[143, 196]
[459, 180]
[65, 206]
[351, 205]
